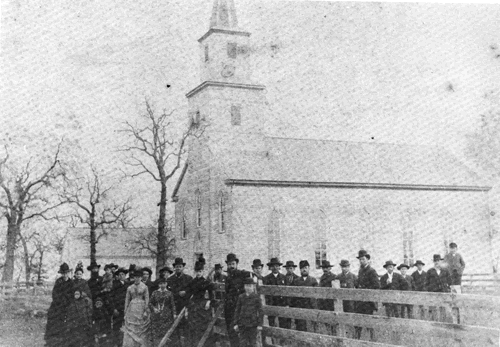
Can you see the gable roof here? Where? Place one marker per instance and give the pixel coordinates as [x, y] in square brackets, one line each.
[341, 162]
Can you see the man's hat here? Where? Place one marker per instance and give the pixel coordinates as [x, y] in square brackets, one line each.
[363, 253]
[178, 261]
[419, 262]
[121, 270]
[257, 263]
[303, 263]
[290, 263]
[344, 263]
[248, 280]
[274, 261]
[436, 257]
[148, 269]
[218, 266]
[389, 262]
[325, 264]
[131, 268]
[64, 268]
[232, 257]
[107, 266]
[403, 265]
[93, 265]
[166, 269]
[453, 245]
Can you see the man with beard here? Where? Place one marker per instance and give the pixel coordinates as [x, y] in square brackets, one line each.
[367, 279]
[327, 304]
[234, 287]
[275, 278]
[178, 284]
[304, 281]
[290, 278]
[95, 281]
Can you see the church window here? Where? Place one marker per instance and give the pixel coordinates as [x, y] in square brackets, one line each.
[320, 231]
[183, 225]
[222, 213]
[408, 256]
[273, 236]
[235, 115]
[206, 53]
[198, 208]
[232, 49]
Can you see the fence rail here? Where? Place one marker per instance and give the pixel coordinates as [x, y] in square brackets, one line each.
[23, 287]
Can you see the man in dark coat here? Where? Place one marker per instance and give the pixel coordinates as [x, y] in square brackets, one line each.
[392, 281]
[304, 281]
[275, 278]
[419, 277]
[347, 280]
[367, 279]
[327, 304]
[95, 281]
[118, 295]
[455, 264]
[406, 310]
[438, 280]
[248, 315]
[290, 278]
[178, 284]
[62, 295]
[234, 287]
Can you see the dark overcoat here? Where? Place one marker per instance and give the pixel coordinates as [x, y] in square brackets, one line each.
[326, 281]
[95, 285]
[56, 328]
[367, 279]
[397, 283]
[278, 280]
[176, 284]
[347, 281]
[438, 283]
[419, 281]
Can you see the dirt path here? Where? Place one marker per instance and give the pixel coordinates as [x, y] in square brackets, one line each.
[18, 332]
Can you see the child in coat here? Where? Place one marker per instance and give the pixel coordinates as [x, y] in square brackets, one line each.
[248, 316]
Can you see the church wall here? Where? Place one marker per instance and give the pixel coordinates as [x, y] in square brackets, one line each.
[375, 220]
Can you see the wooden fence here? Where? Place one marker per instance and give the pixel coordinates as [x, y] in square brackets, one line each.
[22, 287]
[459, 319]
[481, 283]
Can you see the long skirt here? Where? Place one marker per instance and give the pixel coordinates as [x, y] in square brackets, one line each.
[160, 323]
[57, 327]
[136, 328]
[198, 320]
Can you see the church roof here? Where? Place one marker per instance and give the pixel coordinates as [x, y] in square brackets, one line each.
[350, 163]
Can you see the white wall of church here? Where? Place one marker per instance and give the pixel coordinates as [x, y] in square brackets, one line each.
[376, 220]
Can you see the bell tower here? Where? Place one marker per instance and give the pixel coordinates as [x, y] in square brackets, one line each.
[226, 101]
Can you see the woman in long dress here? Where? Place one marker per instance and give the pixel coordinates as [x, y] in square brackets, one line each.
[137, 320]
[200, 290]
[62, 294]
[162, 308]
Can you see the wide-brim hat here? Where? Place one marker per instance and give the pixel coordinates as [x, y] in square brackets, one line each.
[148, 269]
[402, 266]
[178, 261]
[303, 263]
[344, 263]
[363, 253]
[64, 268]
[419, 262]
[290, 263]
[107, 266]
[218, 266]
[437, 257]
[274, 261]
[93, 265]
[166, 269]
[232, 257]
[389, 262]
[325, 264]
[121, 270]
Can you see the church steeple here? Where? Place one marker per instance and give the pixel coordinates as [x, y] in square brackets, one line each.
[224, 15]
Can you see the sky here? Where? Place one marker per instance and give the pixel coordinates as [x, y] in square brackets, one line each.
[416, 73]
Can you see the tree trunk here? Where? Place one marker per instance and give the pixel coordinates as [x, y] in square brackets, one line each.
[8, 270]
[40, 265]
[27, 263]
[161, 254]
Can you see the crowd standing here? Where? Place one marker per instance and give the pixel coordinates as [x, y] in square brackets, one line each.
[126, 308]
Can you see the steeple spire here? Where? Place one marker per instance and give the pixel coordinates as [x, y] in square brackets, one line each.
[224, 15]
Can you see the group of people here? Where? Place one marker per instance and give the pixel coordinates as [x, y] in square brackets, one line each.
[116, 310]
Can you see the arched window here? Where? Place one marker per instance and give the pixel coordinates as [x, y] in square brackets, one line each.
[183, 225]
[273, 235]
[198, 207]
[222, 212]
[320, 231]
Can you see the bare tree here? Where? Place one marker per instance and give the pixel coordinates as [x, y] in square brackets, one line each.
[146, 240]
[93, 206]
[156, 151]
[25, 194]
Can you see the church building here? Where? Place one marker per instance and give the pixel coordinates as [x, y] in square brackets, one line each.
[260, 196]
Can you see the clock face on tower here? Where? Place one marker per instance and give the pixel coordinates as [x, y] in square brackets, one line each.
[227, 71]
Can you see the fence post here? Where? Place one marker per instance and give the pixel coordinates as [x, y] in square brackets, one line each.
[260, 336]
[339, 307]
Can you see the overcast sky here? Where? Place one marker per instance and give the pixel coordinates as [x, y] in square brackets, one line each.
[388, 72]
